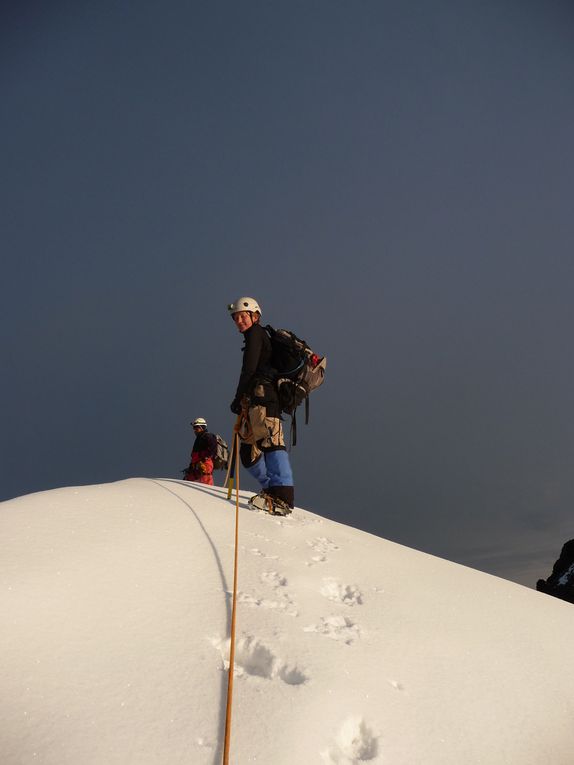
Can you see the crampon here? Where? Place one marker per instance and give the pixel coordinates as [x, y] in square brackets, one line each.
[269, 504]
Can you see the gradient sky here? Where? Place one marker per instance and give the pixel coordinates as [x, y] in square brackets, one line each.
[391, 180]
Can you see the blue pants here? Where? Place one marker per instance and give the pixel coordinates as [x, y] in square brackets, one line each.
[272, 469]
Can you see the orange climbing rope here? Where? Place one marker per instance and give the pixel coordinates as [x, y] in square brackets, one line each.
[233, 609]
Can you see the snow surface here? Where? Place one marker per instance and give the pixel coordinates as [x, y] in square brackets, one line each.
[116, 608]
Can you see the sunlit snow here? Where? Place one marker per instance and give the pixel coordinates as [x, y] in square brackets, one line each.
[116, 609]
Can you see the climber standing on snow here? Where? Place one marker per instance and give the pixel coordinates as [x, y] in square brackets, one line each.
[262, 451]
[203, 453]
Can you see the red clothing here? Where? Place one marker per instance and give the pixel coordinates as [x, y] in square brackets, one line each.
[200, 469]
[201, 465]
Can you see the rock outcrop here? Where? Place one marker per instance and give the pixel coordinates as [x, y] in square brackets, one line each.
[560, 583]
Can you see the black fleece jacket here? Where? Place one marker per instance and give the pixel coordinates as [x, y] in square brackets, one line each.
[205, 445]
[256, 360]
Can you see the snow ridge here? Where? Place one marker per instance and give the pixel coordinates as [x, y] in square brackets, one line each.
[115, 603]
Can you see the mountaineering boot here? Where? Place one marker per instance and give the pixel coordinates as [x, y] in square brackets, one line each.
[269, 504]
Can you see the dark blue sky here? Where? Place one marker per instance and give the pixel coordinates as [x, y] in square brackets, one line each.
[392, 181]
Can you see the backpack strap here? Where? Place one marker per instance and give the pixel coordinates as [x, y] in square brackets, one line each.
[293, 429]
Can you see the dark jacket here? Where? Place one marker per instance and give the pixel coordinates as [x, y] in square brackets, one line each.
[256, 365]
[256, 369]
[205, 445]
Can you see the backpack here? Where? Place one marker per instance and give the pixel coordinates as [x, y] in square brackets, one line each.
[296, 371]
[221, 459]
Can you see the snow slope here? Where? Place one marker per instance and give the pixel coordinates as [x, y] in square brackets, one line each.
[115, 606]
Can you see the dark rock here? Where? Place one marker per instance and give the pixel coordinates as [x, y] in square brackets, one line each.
[560, 583]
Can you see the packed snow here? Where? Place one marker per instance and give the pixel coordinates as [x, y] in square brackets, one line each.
[116, 609]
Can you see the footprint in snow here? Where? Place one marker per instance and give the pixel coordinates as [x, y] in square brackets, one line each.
[339, 628]
[261, 536]
[285, 604]
[254, 659]
[277, 582]
[322, 545]
[354, 743]
[256, 551]
[347, 594]
[273, 579]
[316, 559]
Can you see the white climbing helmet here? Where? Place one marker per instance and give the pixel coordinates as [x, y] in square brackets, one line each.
[244, 304]
[199, 422]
